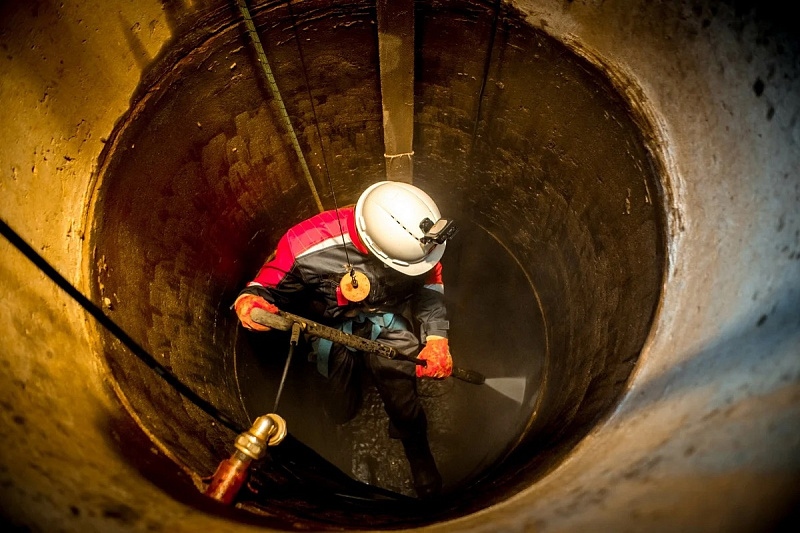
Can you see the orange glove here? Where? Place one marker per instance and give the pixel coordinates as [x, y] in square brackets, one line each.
[437, 353]
[245, 303]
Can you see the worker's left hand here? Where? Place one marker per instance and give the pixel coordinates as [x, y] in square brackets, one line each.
[437, 353]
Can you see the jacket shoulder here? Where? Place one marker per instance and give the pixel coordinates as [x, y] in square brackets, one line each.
[315, 232]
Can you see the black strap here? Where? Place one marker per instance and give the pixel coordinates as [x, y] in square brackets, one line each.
[114, 329]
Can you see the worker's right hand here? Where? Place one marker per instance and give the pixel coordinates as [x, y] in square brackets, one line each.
[245, 303]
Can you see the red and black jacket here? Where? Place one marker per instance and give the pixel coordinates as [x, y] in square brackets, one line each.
[303, 275]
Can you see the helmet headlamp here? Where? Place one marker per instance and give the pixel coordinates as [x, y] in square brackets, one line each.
[437, 232]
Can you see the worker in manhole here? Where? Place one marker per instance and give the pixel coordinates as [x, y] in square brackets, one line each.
[372, 270]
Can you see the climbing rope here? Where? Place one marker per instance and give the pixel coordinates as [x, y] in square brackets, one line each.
[486, 66]
[276, 95]
[350, 270]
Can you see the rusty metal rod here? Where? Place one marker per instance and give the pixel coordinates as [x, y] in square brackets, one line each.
[284, 321]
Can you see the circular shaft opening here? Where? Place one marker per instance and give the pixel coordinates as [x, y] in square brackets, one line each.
[551, 285]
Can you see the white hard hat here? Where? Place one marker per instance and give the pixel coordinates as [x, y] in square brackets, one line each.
[388, 218]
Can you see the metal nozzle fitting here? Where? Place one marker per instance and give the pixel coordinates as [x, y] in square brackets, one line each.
[267, 430]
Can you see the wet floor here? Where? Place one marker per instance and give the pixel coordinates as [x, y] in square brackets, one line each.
[496, 328]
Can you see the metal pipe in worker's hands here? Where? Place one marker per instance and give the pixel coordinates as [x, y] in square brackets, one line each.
[283, 321]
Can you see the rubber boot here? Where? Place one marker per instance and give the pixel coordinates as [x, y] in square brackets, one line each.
[427, 480]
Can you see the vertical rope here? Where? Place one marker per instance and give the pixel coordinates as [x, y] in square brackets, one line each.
[486, 66]
[319, 136]
[276, 94]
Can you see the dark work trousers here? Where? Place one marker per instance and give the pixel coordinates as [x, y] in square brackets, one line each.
[395, 380]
